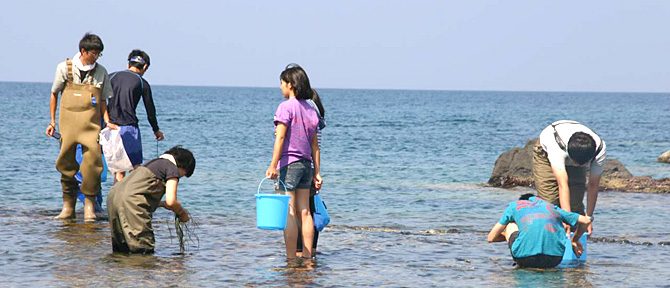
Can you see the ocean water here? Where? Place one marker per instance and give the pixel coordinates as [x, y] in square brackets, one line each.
[403, 180]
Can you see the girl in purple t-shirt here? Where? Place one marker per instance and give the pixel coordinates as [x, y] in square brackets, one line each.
[295, 150]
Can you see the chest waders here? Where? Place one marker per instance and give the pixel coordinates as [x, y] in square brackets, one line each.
[130, 206]
[80, 124]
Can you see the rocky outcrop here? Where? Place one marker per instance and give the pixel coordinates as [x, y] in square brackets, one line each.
[514, 168]
[664, 158]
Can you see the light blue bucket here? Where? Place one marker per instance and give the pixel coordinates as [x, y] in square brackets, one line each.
[271, 209]
[569, 257]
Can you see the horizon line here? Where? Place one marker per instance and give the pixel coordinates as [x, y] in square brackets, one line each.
[391, 89]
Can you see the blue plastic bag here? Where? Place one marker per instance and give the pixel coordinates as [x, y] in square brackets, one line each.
[321, 217]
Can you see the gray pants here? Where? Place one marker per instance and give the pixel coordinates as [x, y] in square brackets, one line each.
[130, 213]
[547, 186]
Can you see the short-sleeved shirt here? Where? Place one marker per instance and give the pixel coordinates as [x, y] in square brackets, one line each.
[540, 227]
[302, 123]
[99, 79]
[559, 158]
[128, 88]
[163, 169]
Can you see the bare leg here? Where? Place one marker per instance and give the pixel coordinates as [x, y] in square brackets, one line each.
[291, 231]
[307, 222]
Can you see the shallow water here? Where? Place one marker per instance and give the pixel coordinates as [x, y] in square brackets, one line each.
[403, 173]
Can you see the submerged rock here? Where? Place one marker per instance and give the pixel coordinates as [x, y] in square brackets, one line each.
[514, 168]
[664, 158]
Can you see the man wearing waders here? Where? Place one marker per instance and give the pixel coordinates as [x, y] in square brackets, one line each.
[84, 86]
[564, 153]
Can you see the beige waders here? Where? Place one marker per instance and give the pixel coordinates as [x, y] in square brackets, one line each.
[80, 124]
[547, 186]
[130, 205]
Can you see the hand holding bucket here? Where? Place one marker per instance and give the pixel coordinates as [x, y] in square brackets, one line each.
[271, 209]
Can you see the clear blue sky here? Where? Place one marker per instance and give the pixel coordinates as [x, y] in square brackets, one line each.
[535, 45]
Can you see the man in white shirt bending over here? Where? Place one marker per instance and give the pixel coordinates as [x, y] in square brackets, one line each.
[561, 158]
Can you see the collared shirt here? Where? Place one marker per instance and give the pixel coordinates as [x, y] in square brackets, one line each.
[99, 79]
[559, 158]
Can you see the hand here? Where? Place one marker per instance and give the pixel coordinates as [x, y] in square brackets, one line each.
[577, 247]
[112, 126]
[50, 130]
[567, 229]
[184, 215]
[159, 135]
[318, 181]
[589, 229]
[271, 173]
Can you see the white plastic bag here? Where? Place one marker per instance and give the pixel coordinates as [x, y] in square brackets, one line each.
[115, 153]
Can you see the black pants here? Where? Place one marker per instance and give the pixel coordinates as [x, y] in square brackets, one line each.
[535, 261]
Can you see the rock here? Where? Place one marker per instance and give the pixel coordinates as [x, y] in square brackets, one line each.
[614, 169]
[514, 168]
[664, 158]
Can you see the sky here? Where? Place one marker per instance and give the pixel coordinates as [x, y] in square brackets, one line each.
[525, 45]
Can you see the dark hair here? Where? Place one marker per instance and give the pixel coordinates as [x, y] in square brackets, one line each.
[526, 196]
[581, 147]
[184, 159]
[317, 101]
[91, 42]
[138, 58]
[295, 75]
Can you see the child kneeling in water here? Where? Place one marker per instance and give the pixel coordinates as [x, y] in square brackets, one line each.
[132, 201]
[534, 232]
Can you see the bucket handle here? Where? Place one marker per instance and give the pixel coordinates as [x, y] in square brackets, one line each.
[258, 191]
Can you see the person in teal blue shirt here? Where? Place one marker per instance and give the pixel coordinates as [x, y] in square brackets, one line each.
[534, 231]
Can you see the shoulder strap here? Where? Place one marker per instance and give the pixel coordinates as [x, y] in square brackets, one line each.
[70, 76]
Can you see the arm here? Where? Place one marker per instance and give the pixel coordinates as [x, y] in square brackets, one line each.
[106, 94]
[496, 233]
[147, 98]
[60, 77]
[276, 151]
[582, 223]
[563, 188]
[171, 201]
[105, 115]
[316, 157]
[592, 197]
[53, 101]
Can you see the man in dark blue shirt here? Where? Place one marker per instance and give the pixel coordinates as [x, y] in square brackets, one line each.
[128, 87]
